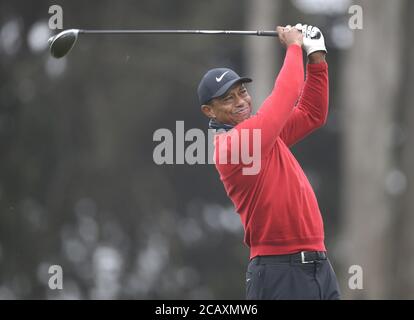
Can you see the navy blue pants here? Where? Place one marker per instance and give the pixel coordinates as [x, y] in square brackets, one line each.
[291, 280]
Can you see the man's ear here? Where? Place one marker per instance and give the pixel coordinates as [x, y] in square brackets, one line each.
[208, 111]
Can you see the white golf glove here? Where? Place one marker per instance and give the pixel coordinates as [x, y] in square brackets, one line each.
[311, 41]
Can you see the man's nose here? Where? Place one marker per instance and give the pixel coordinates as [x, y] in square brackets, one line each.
[239, 101]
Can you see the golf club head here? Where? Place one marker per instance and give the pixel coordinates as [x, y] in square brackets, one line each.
[63, 42]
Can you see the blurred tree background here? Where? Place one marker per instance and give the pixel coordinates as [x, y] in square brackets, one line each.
[78, 184]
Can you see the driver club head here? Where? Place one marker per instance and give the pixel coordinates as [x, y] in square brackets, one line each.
[63, 42]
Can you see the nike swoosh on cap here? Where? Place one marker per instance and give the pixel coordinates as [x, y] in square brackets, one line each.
[221, 77]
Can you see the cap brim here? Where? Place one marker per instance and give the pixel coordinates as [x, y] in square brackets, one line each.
[228, 85]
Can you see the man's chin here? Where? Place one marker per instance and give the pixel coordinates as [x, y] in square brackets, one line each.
[247, 115]
[242, 118]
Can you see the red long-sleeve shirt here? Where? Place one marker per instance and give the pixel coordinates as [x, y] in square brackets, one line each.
[277, 206]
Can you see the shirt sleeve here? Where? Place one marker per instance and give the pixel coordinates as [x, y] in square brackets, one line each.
[312, 107]
[276, 109]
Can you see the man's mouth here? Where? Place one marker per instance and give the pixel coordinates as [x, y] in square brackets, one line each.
[242, 111]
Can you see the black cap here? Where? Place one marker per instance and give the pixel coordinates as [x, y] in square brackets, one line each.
[216, 82]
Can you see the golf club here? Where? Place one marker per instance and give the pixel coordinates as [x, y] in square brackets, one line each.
[63, 42]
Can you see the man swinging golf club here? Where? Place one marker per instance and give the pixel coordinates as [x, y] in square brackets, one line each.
[277, 206]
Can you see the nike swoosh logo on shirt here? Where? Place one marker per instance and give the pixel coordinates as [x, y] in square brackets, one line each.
[221, 77]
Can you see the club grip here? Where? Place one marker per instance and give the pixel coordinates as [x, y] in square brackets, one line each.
[267, 33]
[274, 34]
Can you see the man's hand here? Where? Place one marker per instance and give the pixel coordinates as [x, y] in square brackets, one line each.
[288, 36]
[311, 43]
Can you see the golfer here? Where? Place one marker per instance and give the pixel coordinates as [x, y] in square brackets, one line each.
[277, 205]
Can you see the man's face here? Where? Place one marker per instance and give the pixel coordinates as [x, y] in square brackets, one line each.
[231, 108]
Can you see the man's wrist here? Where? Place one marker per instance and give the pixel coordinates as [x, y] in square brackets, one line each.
[317, 57]
[294, 44]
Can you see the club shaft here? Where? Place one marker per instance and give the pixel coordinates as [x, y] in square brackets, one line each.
[206, 32]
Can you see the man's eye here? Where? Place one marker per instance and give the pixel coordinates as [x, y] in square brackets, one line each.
[243, 91]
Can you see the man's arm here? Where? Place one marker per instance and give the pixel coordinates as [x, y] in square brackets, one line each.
[278, 106]
[312, 108]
